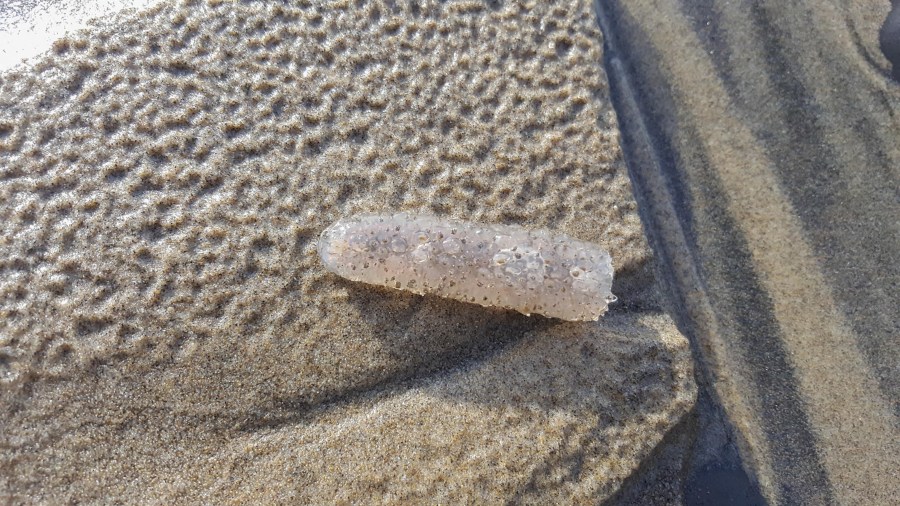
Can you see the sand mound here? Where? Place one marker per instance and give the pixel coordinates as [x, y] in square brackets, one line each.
[166, 324]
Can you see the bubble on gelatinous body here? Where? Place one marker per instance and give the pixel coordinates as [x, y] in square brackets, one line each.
[534, 262]
[422, 253]
[531, 271]
[451, 246]
[358, 242]
[398, 245]
[383, 242]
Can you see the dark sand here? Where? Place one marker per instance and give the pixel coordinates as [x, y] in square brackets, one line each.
[764, 137]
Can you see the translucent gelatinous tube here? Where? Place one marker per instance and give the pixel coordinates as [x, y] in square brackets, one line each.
[530, 271]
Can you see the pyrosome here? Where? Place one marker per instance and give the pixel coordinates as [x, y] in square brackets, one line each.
[530, 271]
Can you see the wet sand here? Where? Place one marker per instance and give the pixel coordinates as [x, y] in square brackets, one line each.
[767, 172]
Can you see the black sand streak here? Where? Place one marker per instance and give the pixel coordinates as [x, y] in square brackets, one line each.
[849, 241]
[742, 308]
[707, 20]
[664, 155]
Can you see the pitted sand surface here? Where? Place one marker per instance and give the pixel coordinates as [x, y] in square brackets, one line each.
[167, 326]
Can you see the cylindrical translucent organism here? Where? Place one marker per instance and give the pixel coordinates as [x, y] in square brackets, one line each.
[530, 271]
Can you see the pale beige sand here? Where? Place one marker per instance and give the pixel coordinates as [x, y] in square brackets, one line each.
[168, 333]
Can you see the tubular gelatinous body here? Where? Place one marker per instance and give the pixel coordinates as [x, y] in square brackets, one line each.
[530, 271]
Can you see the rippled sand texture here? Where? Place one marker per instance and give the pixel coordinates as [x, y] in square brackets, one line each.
[168, 333]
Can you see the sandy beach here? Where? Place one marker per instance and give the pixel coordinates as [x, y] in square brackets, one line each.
[169, 334]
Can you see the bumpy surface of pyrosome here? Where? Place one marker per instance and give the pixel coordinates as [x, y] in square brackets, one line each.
[530, 271]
